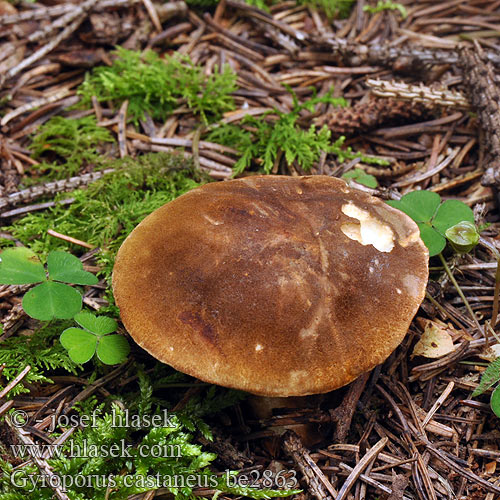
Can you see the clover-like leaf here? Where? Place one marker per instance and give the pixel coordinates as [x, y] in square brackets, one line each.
[463, 236]
[99, 325]
[113, 349]
[495, 401]
[52, 300]
[435, 218]
[63, 266]
[431, 238]
[20, 266]
[419, 205]
[450, 213]
[81, 344]
[361, 177]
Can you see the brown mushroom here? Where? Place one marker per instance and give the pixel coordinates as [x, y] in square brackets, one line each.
[274, 285]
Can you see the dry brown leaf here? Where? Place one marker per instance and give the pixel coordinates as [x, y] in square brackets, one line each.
[435, 342]
[490, 353]
[6, 8]
[490, 467]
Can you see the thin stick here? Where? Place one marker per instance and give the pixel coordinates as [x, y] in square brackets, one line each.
[360, 467]
[371, 481]
[51, 188]
[418, 93]
[438, 403]
[494, 314]
[122, 125]
[43, 466]
[16, 381]
[43, 51]
[36, 103]
[69, 239]
[318, 483]
[459, 290]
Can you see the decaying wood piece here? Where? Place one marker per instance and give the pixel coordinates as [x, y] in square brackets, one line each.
[51, 188]
[317, 482]
[418, 93]
[484, 96]
[14, 319]
[226, 451]
[399, 484]
[343, 414]
[356, 54]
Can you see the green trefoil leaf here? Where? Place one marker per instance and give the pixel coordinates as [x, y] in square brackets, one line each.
[99, 325]
[20, 266]
[419, 205]
[431, 238]
[450, 213]
[63, 266]
[113, 349]
[51, 300]
[81, 344]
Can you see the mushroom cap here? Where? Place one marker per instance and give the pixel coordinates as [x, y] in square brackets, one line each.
[274, 285]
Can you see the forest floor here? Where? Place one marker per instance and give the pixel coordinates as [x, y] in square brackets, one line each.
[400, 98]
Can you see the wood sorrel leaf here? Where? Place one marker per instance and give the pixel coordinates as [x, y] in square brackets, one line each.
[419, 205]
[100, 325]
[452, 212]
[360, 176]
[63, 266]
[81, 344]
[20, 266]
[113, 349]
[431, 238]
[52, 300]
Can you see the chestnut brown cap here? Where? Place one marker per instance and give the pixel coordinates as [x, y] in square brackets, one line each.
[274, 285]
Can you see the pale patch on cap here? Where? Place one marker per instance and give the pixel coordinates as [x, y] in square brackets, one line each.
[369, 230]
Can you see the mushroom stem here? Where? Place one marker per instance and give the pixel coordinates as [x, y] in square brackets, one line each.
[263, 408]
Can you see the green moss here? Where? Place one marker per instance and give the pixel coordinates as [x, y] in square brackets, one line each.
[107, 211]
[146, 457]
[67, 145]
[261, 139]
[154, 85]
[387, 5]
[332, 8]
[41, 350]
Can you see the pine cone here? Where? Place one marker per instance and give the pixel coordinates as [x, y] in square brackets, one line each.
[367, 115]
